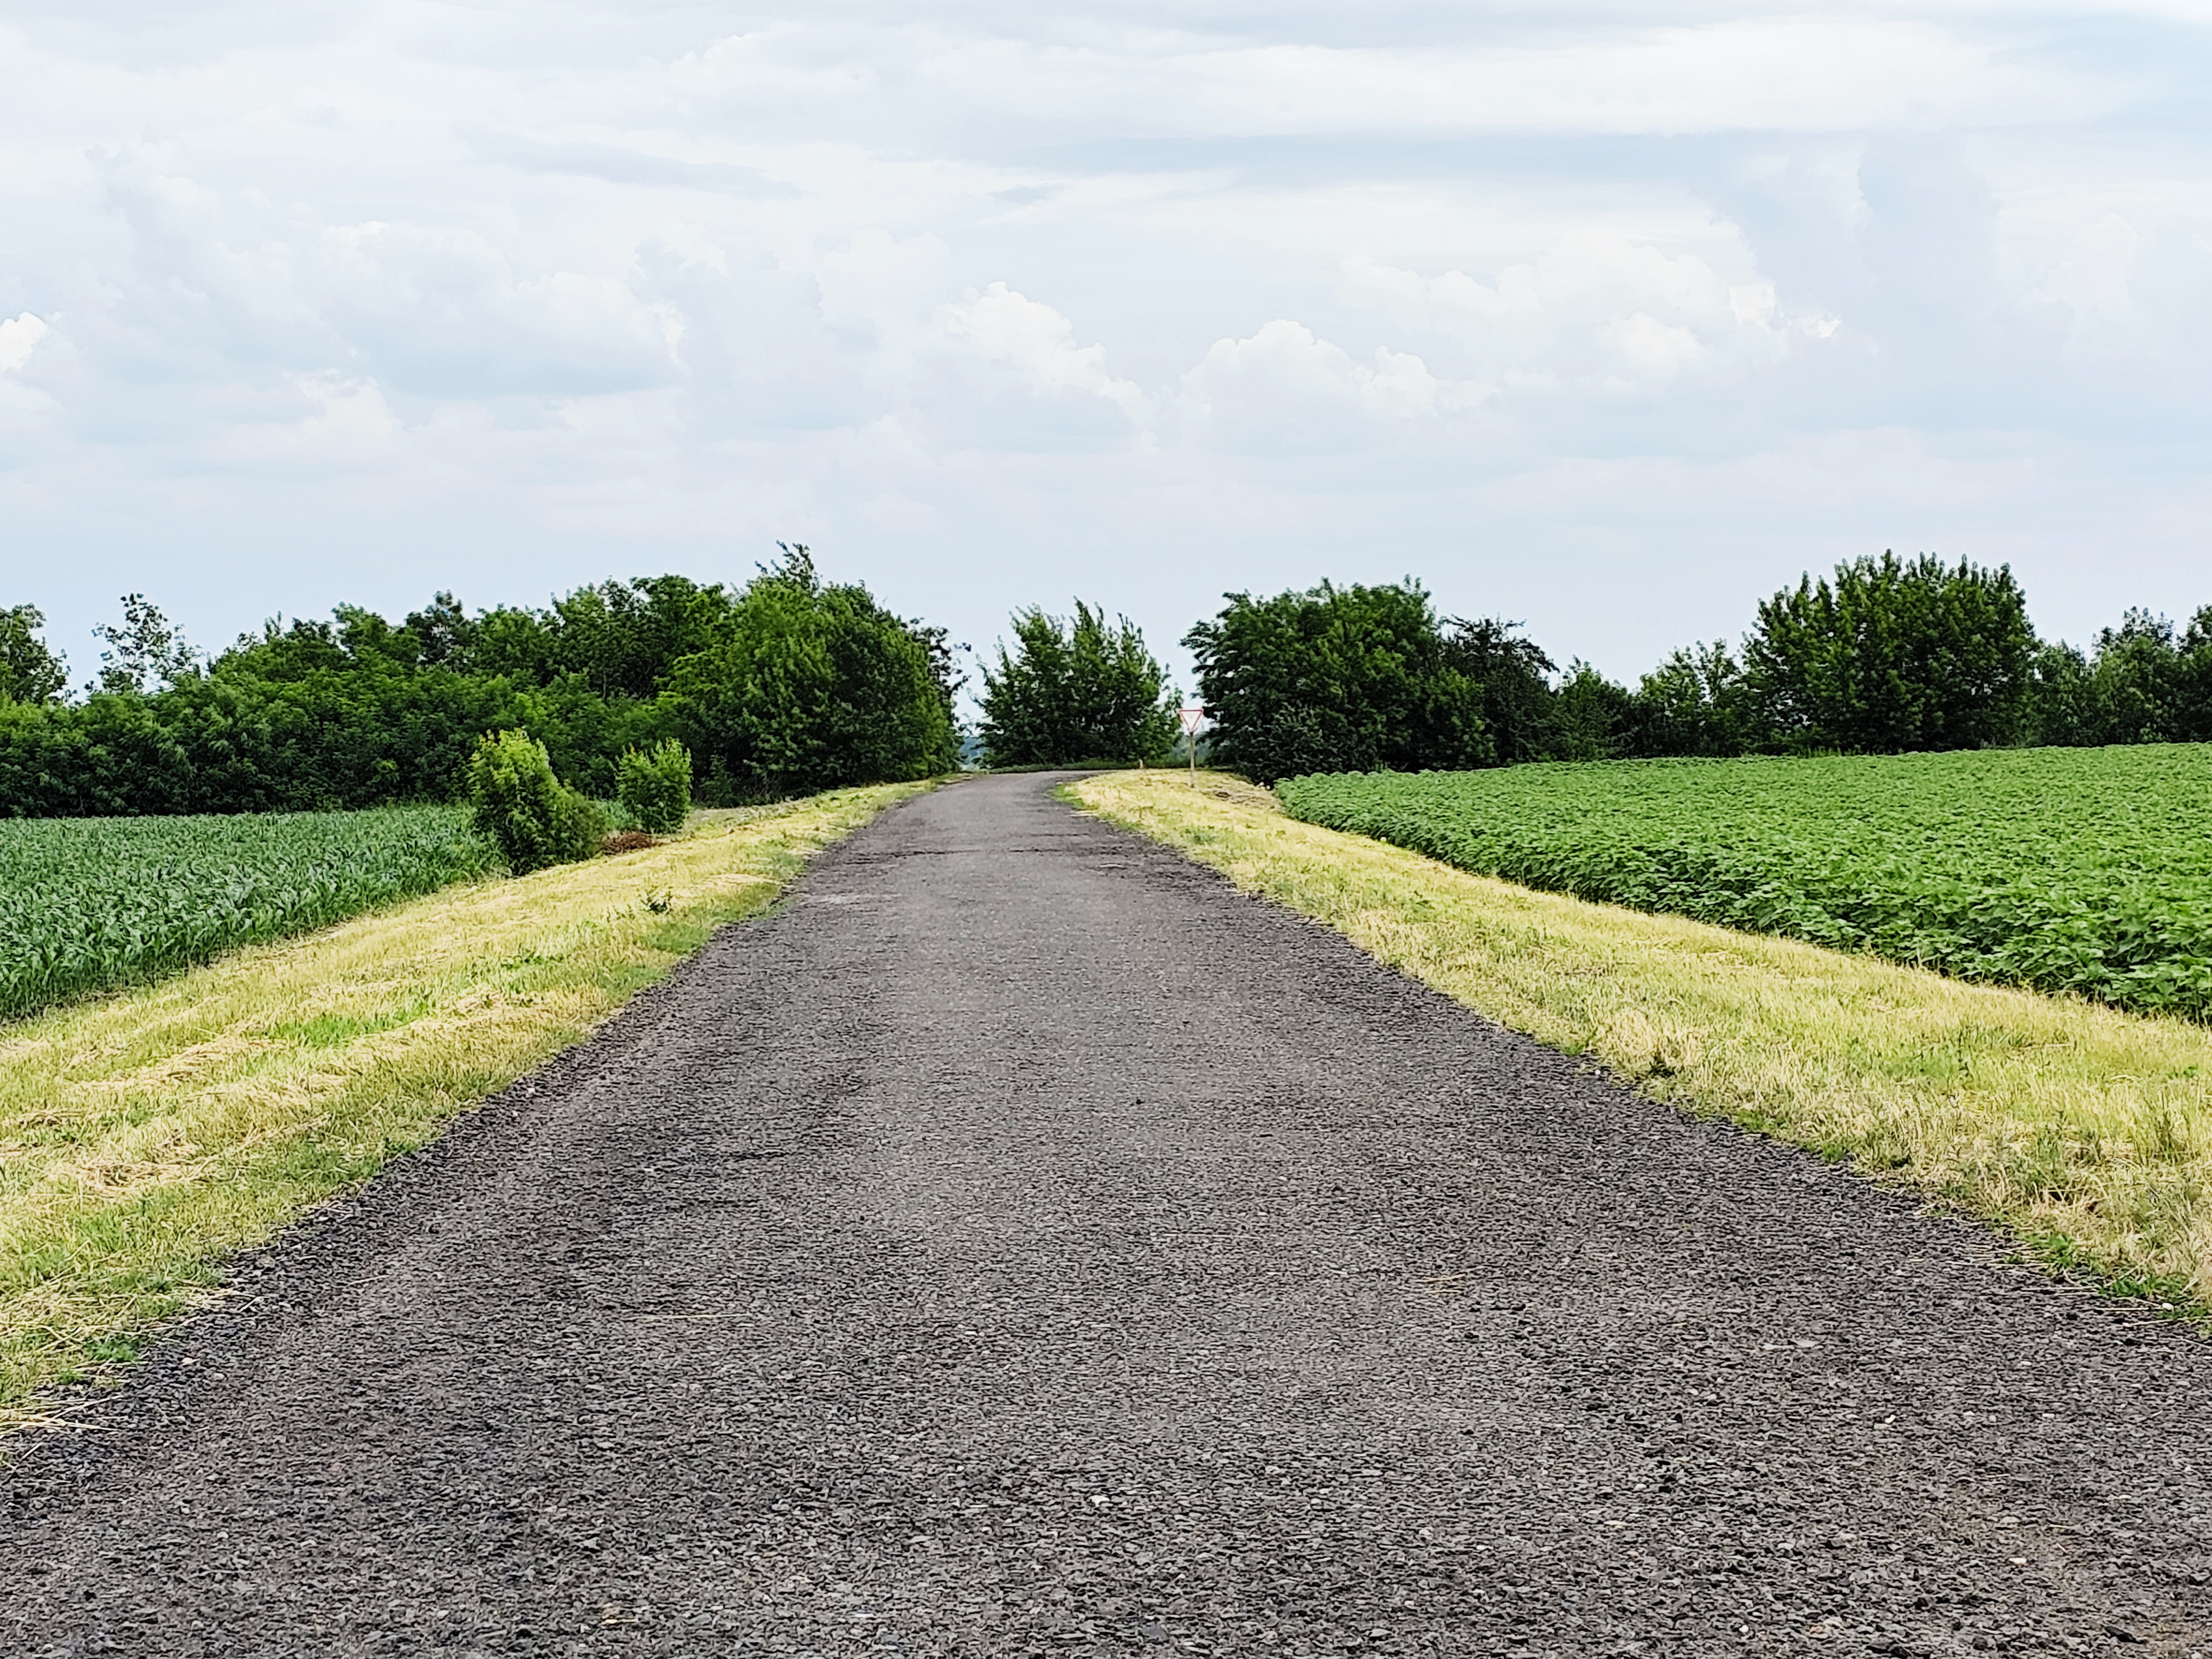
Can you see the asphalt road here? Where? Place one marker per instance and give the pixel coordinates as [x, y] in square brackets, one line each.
[1021, 1243]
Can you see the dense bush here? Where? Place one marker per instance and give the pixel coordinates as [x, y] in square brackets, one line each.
[791, 683]
[359, 711]
[2139, 682]
[1887, 656]
[29, 672]
[1077, 689]
[1337, 679]
[1893, 656]
[518, 805]
[811, 685]
[655, 786]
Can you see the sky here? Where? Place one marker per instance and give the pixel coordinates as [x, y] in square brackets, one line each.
[1609, 320]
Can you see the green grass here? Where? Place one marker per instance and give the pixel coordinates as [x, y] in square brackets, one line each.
[2081, 870]
[147, 1136]
[2084, 1130]
[90, 904]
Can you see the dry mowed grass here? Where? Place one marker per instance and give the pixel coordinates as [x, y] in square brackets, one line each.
[2085, 1130]
[145, 1137]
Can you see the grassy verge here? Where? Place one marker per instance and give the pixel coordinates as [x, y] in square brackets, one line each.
[145, 1137]
[2085, 1131]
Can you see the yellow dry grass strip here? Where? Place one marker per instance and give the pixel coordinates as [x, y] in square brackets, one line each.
[145, 1137]
[2086, 1131]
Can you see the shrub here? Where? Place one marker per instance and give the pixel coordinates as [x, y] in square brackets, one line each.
[655, 786]
[521, 808]
[1894, 656]
[1342, 679]
[580, 826]
[812, 686]
[1074, 690]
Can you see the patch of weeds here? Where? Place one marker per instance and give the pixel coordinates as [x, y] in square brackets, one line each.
[658, 900]
[678, 939]
[333, 1031]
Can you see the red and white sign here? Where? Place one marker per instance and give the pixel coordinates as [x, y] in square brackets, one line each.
[1192, 719]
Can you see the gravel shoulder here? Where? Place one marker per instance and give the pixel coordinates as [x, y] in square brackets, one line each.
[1020, 1242]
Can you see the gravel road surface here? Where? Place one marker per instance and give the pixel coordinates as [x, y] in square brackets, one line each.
[1020, 1242]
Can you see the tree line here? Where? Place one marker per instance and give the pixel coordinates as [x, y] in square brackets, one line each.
[791, 683]
[1885, 656]
[787, 685]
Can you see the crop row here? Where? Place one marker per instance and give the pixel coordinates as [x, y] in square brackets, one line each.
[2087, 871]
[87, 904]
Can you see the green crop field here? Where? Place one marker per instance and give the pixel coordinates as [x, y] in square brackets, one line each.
[87, 904]
[2085, 870]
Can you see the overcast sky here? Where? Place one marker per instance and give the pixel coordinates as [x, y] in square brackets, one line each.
[1611, 319]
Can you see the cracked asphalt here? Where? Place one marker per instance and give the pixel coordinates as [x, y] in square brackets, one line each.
[1021, 1243]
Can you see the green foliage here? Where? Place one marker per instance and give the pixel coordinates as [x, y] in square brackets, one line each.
[621, 638]
[1337, 680]
[1588, 716]
[1515, 676]
[144, 650]
[1893, 656]
[654, 786]
[2141, 683]
[579, 824]
[358, 711]
[1694, 703]
[29, 672]
[811, 686]
[2063, 870]
[516, 803]
[87, 904]
[1080, 690]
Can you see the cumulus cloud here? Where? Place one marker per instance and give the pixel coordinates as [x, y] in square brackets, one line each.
[1039, 344]
[991, 297]
[1287, 360]
[1594, 312]
[19, 337]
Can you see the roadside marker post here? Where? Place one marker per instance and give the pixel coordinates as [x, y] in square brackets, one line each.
[1192, 719]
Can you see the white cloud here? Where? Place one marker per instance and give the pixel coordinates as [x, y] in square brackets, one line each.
[513, 297]
[1592, 311]
[1285, 388]
[19, 337]
[1039, 342]
[1787, 73]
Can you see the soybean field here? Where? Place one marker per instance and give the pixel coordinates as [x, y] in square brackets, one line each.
[88, 904]
[2083, 870]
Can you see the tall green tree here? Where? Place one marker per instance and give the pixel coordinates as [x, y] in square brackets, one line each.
[30, 671]
[1695, 702]
[1893, 655]
[625, 637]
[1590, 718]
[2142, 682]
[1516, 678]
[1076, 688]
[1337, 679]
[2192, 683]
[810, 685]
[145, 651]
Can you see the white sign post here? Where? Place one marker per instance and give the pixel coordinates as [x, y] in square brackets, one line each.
[1192, 719]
